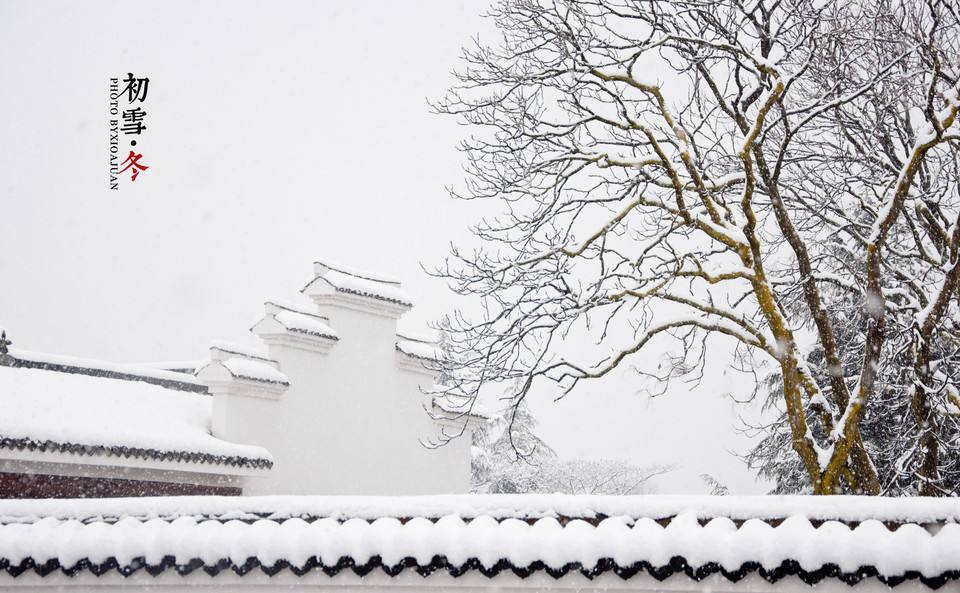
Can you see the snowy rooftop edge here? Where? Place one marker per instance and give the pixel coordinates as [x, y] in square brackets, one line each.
[254, 370]
[795, 546]
[343, 282]
[500, 506]
[80, 414]
[348, 280]
[304, 323]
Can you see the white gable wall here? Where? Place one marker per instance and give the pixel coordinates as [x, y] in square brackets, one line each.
[352, 420]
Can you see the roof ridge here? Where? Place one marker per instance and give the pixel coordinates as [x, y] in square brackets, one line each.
[138, 452]
[109, 370]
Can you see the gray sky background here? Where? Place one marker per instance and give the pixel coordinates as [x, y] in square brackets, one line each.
[277, 132]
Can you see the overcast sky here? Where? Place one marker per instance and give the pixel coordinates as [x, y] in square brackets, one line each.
[277, 132]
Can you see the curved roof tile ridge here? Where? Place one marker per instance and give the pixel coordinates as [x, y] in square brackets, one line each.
[489, 546]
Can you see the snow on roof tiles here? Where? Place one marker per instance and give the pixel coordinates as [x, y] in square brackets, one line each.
[244, 363]
[254, 370]
[299, 322]
[74, 413]
[297, 318]
[349, 280]
[361, 286]
[447, 534]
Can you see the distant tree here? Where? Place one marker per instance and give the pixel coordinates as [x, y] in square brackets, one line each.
[772, 182]
[509, 458]
[598, 476]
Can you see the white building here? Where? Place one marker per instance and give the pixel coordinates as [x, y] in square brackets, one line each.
[336, 402]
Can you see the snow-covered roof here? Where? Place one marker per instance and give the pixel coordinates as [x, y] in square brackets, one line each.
[67, 412]
[254, 370]
[850, 539]
[350, 280]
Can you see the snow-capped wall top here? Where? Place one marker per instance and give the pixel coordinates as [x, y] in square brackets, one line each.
[356, 282]
[419, 347]
[59, 412]
[452, 543]
[243, 363]
[254, 370]
[299, 319]
[298, 322]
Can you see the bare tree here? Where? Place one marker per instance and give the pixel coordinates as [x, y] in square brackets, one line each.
[725, 175]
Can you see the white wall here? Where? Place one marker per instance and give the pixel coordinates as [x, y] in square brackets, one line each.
[352, 419]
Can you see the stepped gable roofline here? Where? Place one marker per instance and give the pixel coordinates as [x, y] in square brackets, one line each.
[298, 319]
[245, 364]
[169, 379]
[252, 370]
[773, 538]
[344, 279]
